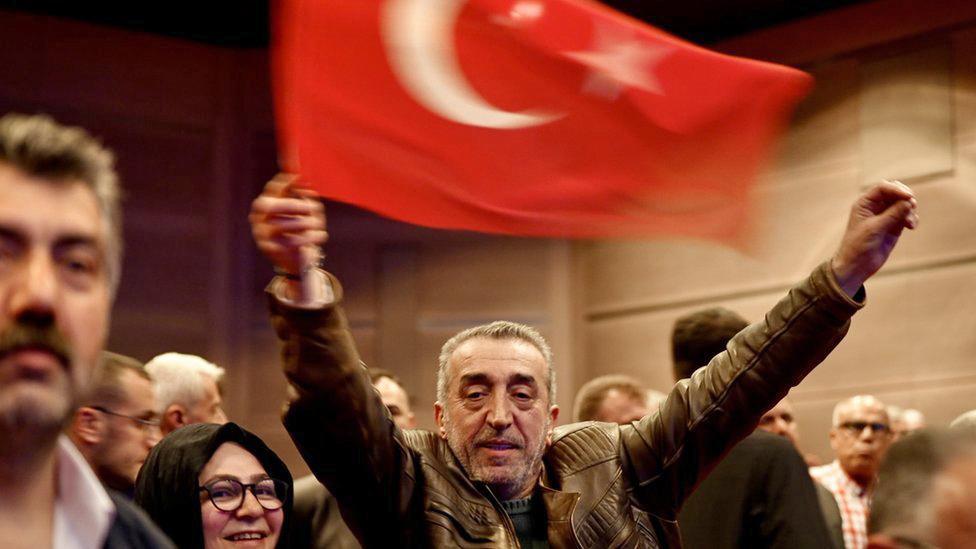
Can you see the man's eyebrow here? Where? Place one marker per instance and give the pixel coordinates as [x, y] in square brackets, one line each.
[474, 379]
[9, 233]
[522, 379]
[72, 240]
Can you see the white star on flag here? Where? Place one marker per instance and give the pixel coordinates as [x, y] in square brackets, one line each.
[617, 62]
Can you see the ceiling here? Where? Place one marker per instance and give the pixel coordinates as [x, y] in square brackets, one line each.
[244, 23]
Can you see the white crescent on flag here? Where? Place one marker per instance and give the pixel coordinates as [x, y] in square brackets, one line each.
[419, 42]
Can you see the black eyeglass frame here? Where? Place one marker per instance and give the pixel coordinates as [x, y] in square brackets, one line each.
[858, 427]
[281, 493]
[144, 424]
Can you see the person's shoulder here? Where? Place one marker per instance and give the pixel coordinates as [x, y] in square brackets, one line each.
[309, 494]
[584, 442]
[768, 446]
[132, 528]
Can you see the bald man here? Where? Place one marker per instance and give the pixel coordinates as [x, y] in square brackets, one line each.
[860, 436]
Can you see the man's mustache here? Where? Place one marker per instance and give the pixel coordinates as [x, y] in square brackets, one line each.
[27, 335]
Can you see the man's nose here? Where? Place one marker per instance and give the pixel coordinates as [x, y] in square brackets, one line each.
[499, 412]
[35, 287]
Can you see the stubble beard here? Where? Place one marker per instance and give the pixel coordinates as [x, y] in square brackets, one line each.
[512, 479]
[34, 411]
[31, 420]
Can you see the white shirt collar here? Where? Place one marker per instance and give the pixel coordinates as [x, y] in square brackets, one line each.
[83, 511]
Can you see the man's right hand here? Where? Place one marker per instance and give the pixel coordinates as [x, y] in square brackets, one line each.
[288, 225]
[876, 221]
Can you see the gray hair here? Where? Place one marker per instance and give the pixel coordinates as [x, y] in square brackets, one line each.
[863, 400]
[40, 147]
[179, 378]
[500, 329]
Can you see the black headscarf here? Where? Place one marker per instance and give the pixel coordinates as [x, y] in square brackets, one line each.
[168, 484]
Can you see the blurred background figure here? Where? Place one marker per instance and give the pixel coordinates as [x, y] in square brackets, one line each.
[654, 399]
[117, 423]
[317, 521]
[781, 421]
[965, 424]
[611, 398]
[394, 396]
[187, 390]
[904, 421]
[860, 435]
[926, 494]
[760, 495]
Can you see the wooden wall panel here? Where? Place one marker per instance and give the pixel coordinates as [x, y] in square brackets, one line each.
[918, 328]
[900, 143]
[497, 277]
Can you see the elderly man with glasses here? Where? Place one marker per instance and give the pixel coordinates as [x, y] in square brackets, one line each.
[117, 424]
[860, 436]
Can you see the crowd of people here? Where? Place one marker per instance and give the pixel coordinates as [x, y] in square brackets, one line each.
[100, 450]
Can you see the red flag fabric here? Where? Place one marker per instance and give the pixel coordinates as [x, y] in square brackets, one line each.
[531, 117]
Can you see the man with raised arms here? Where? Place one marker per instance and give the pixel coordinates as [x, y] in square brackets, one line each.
[498, 472]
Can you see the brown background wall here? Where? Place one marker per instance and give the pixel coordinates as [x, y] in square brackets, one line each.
[194, 135]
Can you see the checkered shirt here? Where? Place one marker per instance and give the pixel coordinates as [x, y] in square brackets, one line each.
[852, 501]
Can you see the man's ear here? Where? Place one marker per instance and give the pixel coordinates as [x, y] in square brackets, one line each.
[834, 434]
[439, 419]
[411, 421]
[88, 425]
[553, 416]
[173, 418]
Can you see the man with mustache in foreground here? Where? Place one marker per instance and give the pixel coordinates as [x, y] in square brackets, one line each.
[60, 255]
[498, 473]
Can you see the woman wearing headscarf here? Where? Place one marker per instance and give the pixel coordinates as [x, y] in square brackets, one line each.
[210, 486]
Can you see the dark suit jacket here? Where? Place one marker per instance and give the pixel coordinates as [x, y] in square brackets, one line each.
[831, 513]
[760, 495]
[316, 522]
[133, 529]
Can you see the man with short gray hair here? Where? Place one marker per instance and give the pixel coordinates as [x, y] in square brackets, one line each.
[498, 472]
[187, 390]
[60, 260]
[860, 435]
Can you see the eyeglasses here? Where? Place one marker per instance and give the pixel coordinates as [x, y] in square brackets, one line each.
[858, 427]
[227, 494]
[147, 425]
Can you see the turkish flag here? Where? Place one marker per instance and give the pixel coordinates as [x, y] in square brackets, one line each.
[531, 117]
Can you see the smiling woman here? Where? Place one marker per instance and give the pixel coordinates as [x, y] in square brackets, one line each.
[210, 486]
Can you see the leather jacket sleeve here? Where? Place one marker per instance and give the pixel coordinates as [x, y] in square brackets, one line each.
[668, 453]
[338, 422]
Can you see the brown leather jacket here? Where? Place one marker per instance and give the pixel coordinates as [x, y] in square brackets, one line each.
[603, 485]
